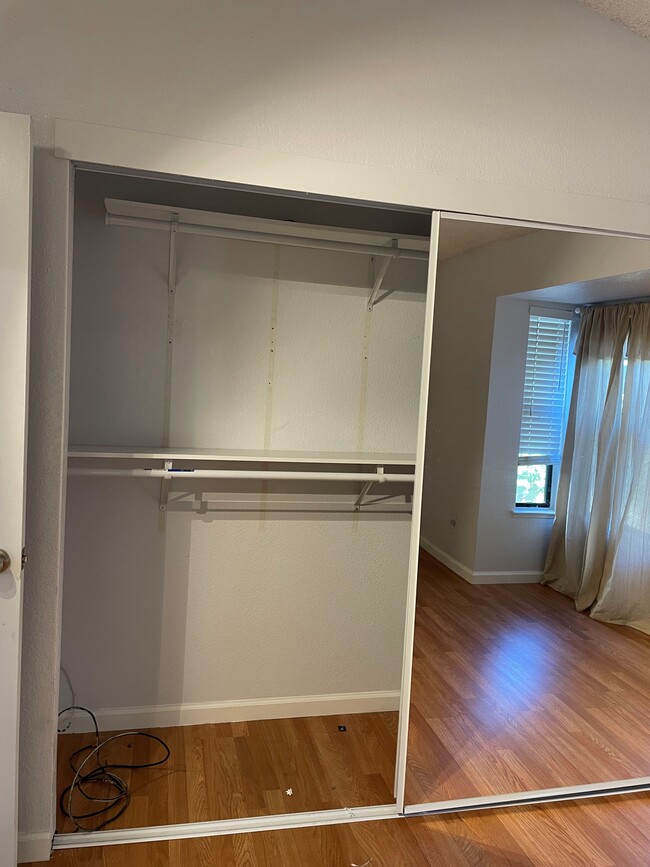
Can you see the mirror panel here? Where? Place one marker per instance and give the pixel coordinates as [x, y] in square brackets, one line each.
[515, 686]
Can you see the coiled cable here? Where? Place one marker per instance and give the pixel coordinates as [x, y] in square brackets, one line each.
[100, 775]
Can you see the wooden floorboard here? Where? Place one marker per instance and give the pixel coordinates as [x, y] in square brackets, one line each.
[611, 832]
[234, 770]
[513, 690]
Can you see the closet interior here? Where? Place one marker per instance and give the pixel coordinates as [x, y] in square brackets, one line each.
[245, 377]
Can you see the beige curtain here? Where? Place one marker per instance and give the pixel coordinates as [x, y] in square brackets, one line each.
[599, 552]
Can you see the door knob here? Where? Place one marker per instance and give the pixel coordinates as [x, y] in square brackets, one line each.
[5, 561]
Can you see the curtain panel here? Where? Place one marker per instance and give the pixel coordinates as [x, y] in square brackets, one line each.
[599, 551]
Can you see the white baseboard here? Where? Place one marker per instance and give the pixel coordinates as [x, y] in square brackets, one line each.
[507, 577]
[447, 561]
[34, 847]
[479, 577]
[156, 716]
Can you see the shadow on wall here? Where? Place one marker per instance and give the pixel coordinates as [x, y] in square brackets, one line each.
[162, 610]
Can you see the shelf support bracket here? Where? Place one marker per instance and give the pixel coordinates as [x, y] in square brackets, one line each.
[362, 496]
[366, 488]
[165, 484]
[379, 279]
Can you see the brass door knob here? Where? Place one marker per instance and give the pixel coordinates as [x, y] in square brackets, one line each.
[5, 561]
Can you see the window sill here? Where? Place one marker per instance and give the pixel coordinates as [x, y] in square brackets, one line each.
[533, 513]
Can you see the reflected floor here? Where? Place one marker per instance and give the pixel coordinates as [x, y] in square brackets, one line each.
[235, 770]
[515, 690]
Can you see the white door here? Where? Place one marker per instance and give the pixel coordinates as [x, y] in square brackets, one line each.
[15, 222]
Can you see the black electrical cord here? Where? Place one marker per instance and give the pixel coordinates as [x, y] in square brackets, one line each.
[102, 774]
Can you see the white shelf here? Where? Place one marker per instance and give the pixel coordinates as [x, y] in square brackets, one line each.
[243, 455]
[120, 212]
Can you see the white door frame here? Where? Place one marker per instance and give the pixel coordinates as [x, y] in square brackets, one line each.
[416, 520]
[109, 148]
[289, 821]
[171, 155]
[15, 272]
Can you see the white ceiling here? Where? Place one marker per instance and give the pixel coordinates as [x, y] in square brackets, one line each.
[634, 14]
[459, 236]
[618, 287]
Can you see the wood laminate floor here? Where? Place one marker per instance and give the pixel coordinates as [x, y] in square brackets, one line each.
[598, 833]
[515, 690]
[234, 770]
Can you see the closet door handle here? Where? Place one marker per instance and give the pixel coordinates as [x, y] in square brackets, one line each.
[5, 561]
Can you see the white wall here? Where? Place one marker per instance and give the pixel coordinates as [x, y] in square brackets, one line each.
[505, 90]
[508, 545]
[225, 606]
[477, 387]
[509, 90]
[273, 348]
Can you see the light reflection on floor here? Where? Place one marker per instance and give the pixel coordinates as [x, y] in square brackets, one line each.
[516, 672]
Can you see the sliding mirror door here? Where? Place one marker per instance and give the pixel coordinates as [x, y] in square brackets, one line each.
[532, 638]
[244, 416]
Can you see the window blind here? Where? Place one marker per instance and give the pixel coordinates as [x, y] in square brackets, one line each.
[545, 390]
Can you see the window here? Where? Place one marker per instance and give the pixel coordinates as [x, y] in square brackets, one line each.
[546, 397]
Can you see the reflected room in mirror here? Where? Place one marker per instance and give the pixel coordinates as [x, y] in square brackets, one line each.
[532, 638]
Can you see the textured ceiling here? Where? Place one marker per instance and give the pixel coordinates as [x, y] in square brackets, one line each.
[634, 14]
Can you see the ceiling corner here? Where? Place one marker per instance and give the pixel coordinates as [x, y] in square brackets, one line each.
[633, 14]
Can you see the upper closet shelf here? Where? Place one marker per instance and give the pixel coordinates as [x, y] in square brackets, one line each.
[236, 227]
[241, 455]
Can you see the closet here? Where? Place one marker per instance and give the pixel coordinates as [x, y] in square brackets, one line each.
[244, 405]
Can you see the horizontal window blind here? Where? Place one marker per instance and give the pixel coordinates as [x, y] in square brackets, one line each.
[545, 390]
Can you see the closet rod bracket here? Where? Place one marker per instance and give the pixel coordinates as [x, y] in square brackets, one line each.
[165, 484]
[379, 279]
[362, 496]
[364, 491]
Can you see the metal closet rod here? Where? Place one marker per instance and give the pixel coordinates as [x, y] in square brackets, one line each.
[379, 476]
[268, 237]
